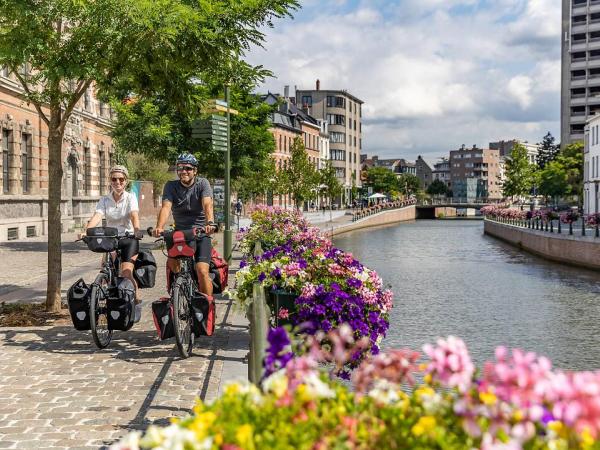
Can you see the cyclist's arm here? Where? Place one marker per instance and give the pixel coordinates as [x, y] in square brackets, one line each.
[135, 220]
[94, 220]
[207, 205]
[163, 215]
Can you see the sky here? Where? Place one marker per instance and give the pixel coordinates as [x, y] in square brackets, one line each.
[433, 74]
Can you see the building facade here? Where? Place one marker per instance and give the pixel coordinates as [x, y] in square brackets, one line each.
[88, 153]
[506, 147]
[424, 172]
[441, 171]
[580, 67]
[591, 166]
[474, 173]
[343, 113]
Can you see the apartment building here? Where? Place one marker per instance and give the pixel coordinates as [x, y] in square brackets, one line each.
[343, 113]
[474, 173]
[591, 166]
[423, 172]
[580, 68]
[506, 147]
[441, 171]
[87, 156]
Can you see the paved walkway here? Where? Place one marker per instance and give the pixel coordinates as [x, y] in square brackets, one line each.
[58, 391]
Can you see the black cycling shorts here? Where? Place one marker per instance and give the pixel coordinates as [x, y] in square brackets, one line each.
[129, 248]
[203, 250]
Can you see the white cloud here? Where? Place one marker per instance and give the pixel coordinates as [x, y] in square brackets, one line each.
[434, 74]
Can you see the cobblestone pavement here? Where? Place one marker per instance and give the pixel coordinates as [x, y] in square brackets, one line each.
[58, 391]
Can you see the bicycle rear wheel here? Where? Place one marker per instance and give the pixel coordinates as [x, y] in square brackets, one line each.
[182, 317]
[99, 312]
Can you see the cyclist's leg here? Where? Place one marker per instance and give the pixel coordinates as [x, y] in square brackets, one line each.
[129, 251]
[202, 258]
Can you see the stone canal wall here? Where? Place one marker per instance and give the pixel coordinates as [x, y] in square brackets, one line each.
[573, 250]
[383, 218]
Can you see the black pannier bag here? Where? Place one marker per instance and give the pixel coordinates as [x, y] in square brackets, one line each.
[102, 239]
[121, 309]
[78, 299]
[204, 314]
[144, 270]
[162, 313]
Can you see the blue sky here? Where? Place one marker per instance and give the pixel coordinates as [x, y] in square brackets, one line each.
[434, 74]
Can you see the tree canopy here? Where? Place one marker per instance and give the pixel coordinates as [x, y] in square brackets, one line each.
[409, 183]
[548, 150]
[437, 187]
[519, 173]
[121, 47]
[382, 180]
[301, 179]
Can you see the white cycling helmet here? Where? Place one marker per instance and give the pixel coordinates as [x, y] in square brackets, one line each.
[120, 169]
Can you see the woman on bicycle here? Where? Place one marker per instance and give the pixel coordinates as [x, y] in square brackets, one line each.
[120, 208]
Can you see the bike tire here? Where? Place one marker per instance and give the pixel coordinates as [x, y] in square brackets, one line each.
[182, 317]
[99, 313]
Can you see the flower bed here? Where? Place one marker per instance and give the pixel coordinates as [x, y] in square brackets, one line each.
[516, 402]
[331, 286]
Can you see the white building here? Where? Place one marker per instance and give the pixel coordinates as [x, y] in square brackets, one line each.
[323, 143]
[591, 166]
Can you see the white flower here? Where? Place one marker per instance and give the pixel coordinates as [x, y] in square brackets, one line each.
[277, 383]
[317, 388]
[384, 392]
[130, 441]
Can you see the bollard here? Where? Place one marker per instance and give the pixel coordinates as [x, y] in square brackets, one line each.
[551, 226]
[258, 316]
[582, 226]
[597, 231]
[570, 227]
[559, 230]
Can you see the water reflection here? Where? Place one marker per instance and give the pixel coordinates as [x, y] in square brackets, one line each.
[449, 278]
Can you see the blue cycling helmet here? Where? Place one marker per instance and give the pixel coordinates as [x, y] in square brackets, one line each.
[187, 158]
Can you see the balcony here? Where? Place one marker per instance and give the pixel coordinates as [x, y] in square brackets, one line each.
[578, 100]
[579, 28]
[579, 9]
[579, 45]
[581, 63]
[594, 7]
[579, 81]
[577, 118]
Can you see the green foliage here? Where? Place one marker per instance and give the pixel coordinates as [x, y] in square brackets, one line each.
[437, 187]
[382, 180]
[553, 180]
[144, 168]
[301, 179]
[330, 185]
[258, 182]
[564, 175]
[409, 184]
[519, 173]
[548, 151]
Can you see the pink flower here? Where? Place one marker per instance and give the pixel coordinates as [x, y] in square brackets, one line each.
[292, 269]
[283, 313]
[450, 363]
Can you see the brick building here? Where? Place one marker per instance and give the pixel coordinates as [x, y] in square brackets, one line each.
[87, 155]
[475, 173]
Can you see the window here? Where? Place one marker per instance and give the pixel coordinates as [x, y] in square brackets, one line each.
[350, 123]
[337, 138]
[4, 71]
[87, 185]
[279, 148]
[336, 119]
[337, 102]
[25, 161]
[307, 100]
[31, 231]
[338, 155]
[6, 136]
[355, 141]
[340, 172]
[13, 234]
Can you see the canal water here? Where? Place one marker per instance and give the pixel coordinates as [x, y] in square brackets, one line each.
[448, 278]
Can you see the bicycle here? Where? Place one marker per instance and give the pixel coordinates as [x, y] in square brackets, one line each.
[104, 240]
[188, 317]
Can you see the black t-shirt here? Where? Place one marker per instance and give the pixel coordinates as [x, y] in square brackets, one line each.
[187, 202]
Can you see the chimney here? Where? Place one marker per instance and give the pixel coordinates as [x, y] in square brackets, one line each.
[318, 85]
[286, 91]
[474, 147]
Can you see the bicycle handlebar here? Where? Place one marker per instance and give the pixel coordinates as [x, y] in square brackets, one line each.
[138, 235]
[200, 231]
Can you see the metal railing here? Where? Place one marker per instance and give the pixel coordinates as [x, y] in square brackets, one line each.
[577, 228]
[375, 209]
[258, 315]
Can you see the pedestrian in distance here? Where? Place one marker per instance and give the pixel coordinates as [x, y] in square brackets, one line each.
[121, 211]
[190, 200]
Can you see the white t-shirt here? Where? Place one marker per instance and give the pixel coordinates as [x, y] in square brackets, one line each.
[118, 215]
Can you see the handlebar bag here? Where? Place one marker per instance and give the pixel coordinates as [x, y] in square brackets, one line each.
[218, 272]
[102, 239]
[121, 308]
[181, 243]
[144, 270]
[78, 299]
[162, 313]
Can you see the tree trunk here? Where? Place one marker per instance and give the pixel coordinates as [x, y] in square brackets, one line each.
[55, 176]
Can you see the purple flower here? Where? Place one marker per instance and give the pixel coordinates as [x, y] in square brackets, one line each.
[354, 283]
[243, 263]
[276, 273]
[262, 277]
[278, 353]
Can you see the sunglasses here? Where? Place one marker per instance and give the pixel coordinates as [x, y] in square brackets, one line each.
[118, 180]
[185, 168]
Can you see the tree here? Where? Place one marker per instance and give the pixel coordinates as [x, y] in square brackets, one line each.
[142, 167]
[548, 150]
[519, 173]
[329, 183]
[564, 175]
[437, 187]
[553, 180]
[382, 180]
[409, 184]
[301, 179]
[118, 47]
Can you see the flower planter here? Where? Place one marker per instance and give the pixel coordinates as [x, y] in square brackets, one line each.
[282, 300]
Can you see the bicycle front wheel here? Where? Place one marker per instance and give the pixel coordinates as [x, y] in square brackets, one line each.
[99, 312]
[182, 317]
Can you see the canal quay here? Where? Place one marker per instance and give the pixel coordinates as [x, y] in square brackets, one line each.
[449, 278]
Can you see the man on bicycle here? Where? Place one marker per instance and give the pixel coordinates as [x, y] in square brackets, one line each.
[190, 201]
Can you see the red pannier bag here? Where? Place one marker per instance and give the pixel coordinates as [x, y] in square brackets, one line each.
[181, 244]
[162, 313]
[218, 271]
